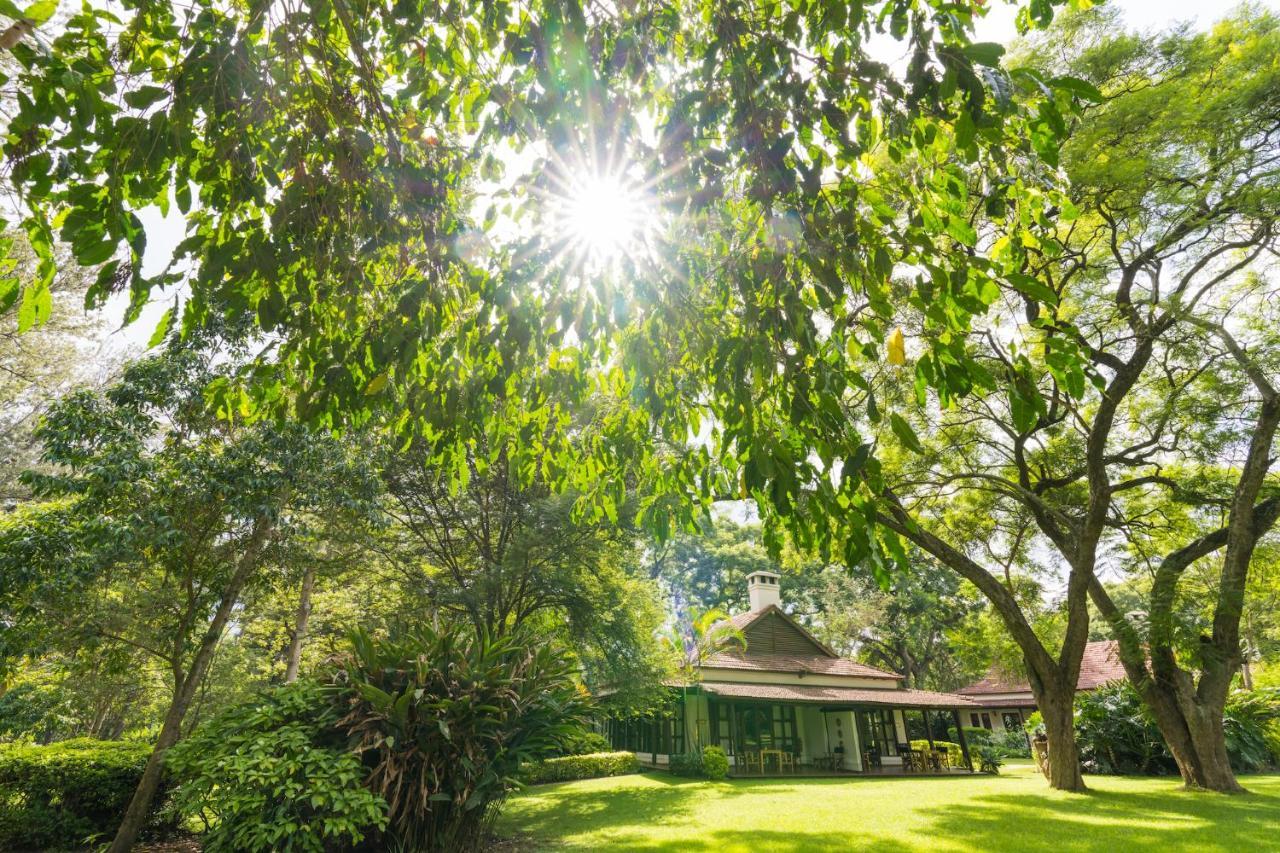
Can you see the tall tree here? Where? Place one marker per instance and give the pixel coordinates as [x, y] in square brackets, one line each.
[1166, 287]
[165, 515]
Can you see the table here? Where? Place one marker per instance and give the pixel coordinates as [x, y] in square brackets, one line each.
[764, 758]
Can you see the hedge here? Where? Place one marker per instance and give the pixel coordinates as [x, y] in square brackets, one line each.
[572, 767]
[70, 793]
[954, 752]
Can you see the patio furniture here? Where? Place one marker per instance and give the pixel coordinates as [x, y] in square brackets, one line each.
[751, 757]
[912, 759]
[942, 760]
[777, 753]
[788, 760]
[871, 758]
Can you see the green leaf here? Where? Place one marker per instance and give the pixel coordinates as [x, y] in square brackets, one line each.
[904, 432]
[1033, 288]
[40, 11]
[1082, 89]
[146, 96]
[985, 53]
[162, 329]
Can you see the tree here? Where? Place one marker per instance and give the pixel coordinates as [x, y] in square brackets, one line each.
[1169, 296]
[697, 635]
[166, 515]
[495, 545]
[328, 186]
[36, 369]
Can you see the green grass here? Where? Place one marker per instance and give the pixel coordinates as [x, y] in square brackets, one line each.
[1011, 812]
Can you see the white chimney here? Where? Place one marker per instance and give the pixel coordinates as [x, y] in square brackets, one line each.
[762, 589]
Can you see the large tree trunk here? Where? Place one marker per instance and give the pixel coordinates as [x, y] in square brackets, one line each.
[300, 626]
[135, 816]
[1056, 700]
[1190, 721]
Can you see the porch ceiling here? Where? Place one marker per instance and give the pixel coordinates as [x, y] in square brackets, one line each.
[899, 698]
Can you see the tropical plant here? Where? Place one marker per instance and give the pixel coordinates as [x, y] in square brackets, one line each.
[443, 718]
[989, 759]
[706, 633]
[275, 774]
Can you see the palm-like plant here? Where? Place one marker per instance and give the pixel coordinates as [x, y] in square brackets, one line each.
[707, 632]
[443, 718]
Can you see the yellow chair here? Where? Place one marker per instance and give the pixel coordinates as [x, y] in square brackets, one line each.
[751, 757]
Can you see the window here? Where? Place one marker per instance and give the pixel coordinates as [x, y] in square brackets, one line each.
[986, 722]
[973, 721]
[877, 731]
[1012, 721]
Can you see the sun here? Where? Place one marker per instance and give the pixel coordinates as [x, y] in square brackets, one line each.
[603, 219]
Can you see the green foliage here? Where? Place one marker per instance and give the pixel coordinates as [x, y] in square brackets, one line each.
[585, 742]
[709, 763]
[443, 718]
[1249, 721]
[1116, 733]
[585, 766]
[954, 753]
[69, 793]
[715, 764]
[274, 774]
[686, 764]
[989, 759]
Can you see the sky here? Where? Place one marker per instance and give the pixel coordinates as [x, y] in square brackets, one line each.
[163, 234]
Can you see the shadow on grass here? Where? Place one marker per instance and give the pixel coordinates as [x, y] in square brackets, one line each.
[1117, 820]
[1162, 819]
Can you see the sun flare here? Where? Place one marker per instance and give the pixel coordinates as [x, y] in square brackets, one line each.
[603, 219]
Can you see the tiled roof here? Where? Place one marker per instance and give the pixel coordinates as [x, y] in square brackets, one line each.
[815, 664]
[825, 662]
[1100, 665]
[900, 698]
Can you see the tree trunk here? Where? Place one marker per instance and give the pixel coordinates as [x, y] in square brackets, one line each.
[135, 816]
[300, 626]
[1057, 707]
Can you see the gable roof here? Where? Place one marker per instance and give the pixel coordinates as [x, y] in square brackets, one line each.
[778, 643]
[1100, 665]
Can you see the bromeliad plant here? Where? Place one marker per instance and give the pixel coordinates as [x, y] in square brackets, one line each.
[443, 718]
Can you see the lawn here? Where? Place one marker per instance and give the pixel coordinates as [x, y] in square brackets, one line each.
[1013, 811]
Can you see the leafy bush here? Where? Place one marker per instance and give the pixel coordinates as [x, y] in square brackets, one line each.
[686, 764]
[585, 742]
[989, 759]
[69, 793]
[1034, 726]
[1007, 744]
[1247, 720]
[954, 753]
[715, 764]
[572, 767]
[1117, 734]
[274, 774]
[443, 720]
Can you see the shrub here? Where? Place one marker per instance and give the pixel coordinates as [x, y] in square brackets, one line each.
[1116, 734]
[954, 753]
[585, 742]
[1246, 721]
[989, 759]
[274, 774]
[715, 764]
[69, 793]
[1012, 744]
[686, 764]
[572, 767]
[444, 719]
